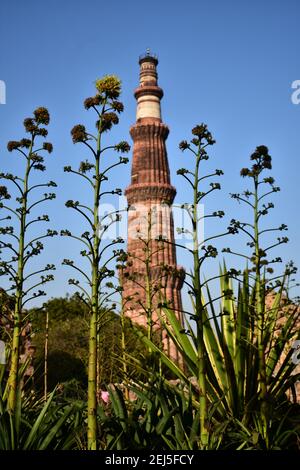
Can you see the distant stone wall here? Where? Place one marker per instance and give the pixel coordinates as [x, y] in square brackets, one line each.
[288, 310]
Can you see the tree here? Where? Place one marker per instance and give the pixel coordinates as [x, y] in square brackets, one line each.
[68, 344]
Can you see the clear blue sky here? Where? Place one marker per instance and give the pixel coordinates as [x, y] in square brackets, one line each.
[228, 63]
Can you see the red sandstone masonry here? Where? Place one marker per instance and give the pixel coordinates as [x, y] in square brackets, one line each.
[150, 187]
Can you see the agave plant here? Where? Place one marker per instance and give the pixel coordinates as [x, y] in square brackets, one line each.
[154, 419]
[238, 358]
[38, 424]
[233, 380]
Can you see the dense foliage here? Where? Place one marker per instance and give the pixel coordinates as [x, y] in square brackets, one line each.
[97, 381]
[68, 343]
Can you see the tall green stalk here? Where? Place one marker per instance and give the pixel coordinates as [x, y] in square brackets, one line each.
[260, 310]
[150, 295]
[121, 267]
[148, 277]
[92, 362]
[104, 103]
[24, 251]
[199, 312]
[197, 146]
[14, 366]
[123, 332]
[46, 352]
[253, 198]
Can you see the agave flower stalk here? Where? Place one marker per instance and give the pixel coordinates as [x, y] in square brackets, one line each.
[255, 199]
[121, 267]
[259, 304]
[150, 288]
[106, 106]
[23, 250]
[123, 334]
[197, 146]
[148, 284]
[198, 305]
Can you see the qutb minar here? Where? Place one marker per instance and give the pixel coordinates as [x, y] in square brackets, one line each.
[150, 196]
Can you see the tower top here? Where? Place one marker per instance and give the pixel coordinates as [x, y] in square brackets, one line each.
[148, 93]
[148, 57]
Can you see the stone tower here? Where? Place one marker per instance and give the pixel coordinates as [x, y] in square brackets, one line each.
[152, 264]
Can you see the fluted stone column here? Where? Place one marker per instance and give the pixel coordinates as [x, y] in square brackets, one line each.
[150, 196]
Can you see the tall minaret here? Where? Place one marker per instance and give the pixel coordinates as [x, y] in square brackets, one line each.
[150, 196]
